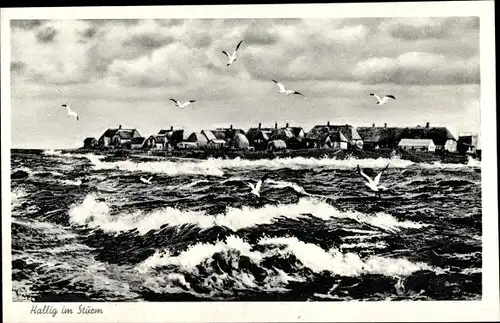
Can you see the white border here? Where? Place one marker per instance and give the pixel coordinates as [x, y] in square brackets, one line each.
[487, 309]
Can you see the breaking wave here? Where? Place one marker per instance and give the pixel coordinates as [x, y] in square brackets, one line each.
[307, 255]
[216, 166]
[97, 215]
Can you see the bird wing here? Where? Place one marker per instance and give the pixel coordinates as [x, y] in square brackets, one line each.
[258, 185]
[295, 92]
[384, 100]
[390, 96]
[377, 178]
[149, 179]
[176, 102]
[251, 186]
[367, 178]
[238, 46]
[224, 52]
[77, 118]
[377, 97]
[280, 86]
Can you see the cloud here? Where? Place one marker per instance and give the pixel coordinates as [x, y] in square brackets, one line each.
[411, 29]
[17, 66]
[148, 41]
[26, 24]
[46, 35]
[89, 33]
[418, 68]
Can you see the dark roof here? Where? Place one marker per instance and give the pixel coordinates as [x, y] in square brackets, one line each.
[380, 134]
[172, 135]
[89, 139]
[439, 135]
[109, 133]
[160, 139]
[254, 132]
[318, 133]
[125, 133]
[137, 140]
[296, 130]
[283, 134]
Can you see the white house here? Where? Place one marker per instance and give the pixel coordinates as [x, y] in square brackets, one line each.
[417, 144]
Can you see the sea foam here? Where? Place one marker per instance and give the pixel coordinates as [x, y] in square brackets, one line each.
[309, 255]
[97, 214]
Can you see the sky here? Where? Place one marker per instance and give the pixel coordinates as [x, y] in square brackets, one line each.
[123, 72]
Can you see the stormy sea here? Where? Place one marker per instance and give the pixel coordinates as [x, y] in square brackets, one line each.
[85, 228]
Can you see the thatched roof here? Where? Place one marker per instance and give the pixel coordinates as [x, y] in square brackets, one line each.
[89, 140]
[319, 133]
[252, 133]
[392, 135]
[208, 134]
[344, 133]
[197, 137]
[282, 134]
[126, 133]
[240, 141]
[137, 140]
[109, 133]
[276, 144]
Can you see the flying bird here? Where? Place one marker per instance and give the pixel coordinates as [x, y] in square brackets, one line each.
[384, 99]
[146, 181]
[182, 105]
[373, 184]
[232, 58]
[71, 113]
[256, 189]
[282, 89]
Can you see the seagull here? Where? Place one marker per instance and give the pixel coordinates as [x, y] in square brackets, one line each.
[146, 181]
[384, 99]
[281, 89]
[71, 113]
[232, 57]
[256, 189]
[182, 105]
[373, 184]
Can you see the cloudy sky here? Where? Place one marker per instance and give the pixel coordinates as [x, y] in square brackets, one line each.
[125, 71]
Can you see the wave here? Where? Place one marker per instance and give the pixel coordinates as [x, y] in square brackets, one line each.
[17, 194]
[97, 215]
[216, 166]
[163, 167]
[307, 255]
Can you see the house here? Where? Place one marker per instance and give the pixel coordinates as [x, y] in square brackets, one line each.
[275, 145]
[417, 144]
[137, 143]
[172, 136]
[333, 136]
[119, 137]
[156, 142]
[441, 136]
[186, 145]
[467, 143]
[389, 137]
[259, 137]
[292, 136]
[105, 139]
[90, 143]
[210, 135]
[375, 138]
[216, 144]
[240, 141]
[227, 134]
[198, 138]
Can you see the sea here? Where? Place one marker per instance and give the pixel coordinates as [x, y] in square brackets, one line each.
[86, 228]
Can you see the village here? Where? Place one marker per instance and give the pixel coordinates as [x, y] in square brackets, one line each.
[289, 138]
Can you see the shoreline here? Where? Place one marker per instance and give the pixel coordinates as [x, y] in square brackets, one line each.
[414, 156]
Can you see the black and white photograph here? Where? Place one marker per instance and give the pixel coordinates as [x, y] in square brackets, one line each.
[223, 156]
